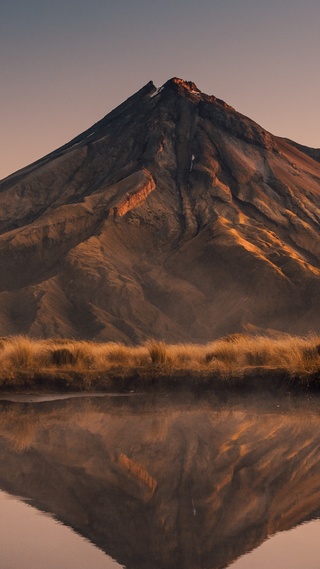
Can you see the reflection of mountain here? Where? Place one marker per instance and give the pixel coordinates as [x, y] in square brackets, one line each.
[158, 483]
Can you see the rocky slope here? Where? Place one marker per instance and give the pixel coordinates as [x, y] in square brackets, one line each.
[173, 217]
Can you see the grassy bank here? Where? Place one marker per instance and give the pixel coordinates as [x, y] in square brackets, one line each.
[236, 360]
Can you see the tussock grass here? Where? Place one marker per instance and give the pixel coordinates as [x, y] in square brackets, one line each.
[20, 352]
[84, 365]
[158, 352]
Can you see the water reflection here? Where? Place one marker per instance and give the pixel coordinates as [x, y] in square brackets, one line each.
[296, 548]
[33, 540]
[166, 482]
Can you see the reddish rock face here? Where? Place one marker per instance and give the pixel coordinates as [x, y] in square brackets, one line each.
[174, 217]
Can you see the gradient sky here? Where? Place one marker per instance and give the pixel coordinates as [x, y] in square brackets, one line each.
[67, 63]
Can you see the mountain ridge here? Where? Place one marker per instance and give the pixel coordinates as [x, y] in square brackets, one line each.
[150, 87]
[172, 217]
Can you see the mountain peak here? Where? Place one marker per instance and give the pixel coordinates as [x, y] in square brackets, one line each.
[181, 84]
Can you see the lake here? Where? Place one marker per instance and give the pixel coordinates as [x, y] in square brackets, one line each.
[159, 481]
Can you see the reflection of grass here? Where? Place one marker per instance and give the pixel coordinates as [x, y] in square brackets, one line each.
[84, 365]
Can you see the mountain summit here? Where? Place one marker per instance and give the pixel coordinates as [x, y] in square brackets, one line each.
[173, 217]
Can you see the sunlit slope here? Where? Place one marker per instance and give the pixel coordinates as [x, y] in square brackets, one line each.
[161, 483]
[174, 217]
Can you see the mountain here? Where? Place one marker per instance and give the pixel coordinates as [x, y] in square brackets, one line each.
[173, 217]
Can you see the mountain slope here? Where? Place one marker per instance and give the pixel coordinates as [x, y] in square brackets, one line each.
[173, 217]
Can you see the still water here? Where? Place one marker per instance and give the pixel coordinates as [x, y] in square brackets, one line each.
[155, 481]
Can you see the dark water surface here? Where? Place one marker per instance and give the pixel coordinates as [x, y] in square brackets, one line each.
[155, 481]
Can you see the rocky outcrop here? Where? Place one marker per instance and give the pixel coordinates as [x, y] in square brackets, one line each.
[136, 197]
[173, 217]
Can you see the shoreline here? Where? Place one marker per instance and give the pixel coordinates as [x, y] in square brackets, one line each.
[148, 379]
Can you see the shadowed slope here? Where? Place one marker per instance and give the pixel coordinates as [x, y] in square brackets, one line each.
[173, 217]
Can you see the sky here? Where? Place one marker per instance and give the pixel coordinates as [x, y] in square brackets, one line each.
[66, 63]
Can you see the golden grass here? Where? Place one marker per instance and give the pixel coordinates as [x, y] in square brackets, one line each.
[22, 357]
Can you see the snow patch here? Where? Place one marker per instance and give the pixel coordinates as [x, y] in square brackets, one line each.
[157, 91]
[193, 508]
[196, 93]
